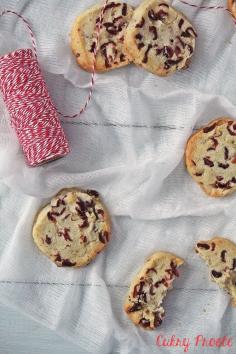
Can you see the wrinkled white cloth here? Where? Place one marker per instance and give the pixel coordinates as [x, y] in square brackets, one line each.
[129, 146]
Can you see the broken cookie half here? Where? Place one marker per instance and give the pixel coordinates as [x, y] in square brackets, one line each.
[220, 255]
[148, 289]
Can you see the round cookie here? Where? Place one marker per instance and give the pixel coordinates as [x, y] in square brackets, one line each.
[232, 7]
[211, 157]
[73, 228]
[220, 255]
[159, 38]
[110, 54]
[148, 289]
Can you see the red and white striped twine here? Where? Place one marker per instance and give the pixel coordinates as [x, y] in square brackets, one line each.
[33, 114]
[204, 7]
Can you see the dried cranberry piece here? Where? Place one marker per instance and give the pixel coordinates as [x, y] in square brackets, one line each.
[233, 180]
[189, 32]
[48, 240]
[234, 264]
[52, 214]
[177, 51]
[151, 290]
[181, 22]
[209, 128]
[158, 283]
[198, 174]
[68, 263]
[153, 30]
[152, 15]
[92, 193]
[138, 288]
[108, 58]
[58, 258]
[222, 255]
[219, 178]
[81, 213]
[140, 45]
[92, 47]
[59, 203]
[111, 28]
[159, 51]
[124, 10]
[215, 144]
[168, 51]
[151, 270]
[226, 153]
[103, 236]
[122, 57]
[81, 204]
[141, 23]
[106, 235]
[157, 319]
[142, 297]
[117, 19]
[223, 185]
[136, 307]
[223, 165]
[171, 62]
[216, 274]
[84, 224]
[111, 6]
[51, 217]
[139, 36]
[208, 162]
[66, 217]
[84, 238]
[145, 59]
[203, 245]
[174, 269]
[144, 322]
[181, 41]
[65, 234]
[190, 48]
[165, 283]
[213, 246]
[161, 15]
[100, 212]
[229, 128]
[89, 204]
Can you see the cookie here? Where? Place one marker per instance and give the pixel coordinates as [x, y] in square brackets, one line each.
[148, 289]
[110, 54]
[73, 228]
[232, 7]
[211, 157]
[220, 255]
[159, 38]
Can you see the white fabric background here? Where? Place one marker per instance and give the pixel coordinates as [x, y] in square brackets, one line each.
[128, 145]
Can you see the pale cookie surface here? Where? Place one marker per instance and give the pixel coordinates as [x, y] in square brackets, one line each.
[72, 228]
[220, 255]
[148, 289]
[211, 157]
[232, 7]
[159, 38]
[110, 54]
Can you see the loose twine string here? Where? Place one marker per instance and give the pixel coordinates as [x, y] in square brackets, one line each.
[33, 114]
[203, 7]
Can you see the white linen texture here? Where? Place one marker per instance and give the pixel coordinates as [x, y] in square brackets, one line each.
[128, 145]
